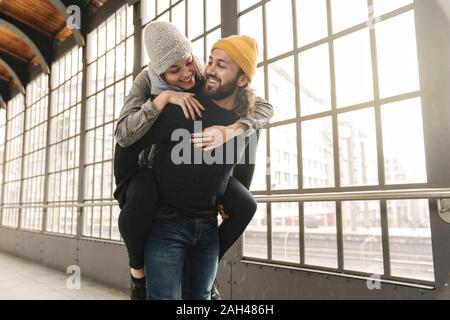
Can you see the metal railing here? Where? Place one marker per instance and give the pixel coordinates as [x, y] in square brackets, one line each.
[431, 193]
[358, 195]
[437, 193]
[59, 205]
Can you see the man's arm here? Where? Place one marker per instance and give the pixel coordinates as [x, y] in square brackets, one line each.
[244, 170]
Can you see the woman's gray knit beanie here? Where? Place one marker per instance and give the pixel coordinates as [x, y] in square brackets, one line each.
[165, 45]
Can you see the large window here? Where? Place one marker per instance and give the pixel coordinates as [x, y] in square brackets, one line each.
[342, 81]
[343, 77]
[110, 74]
[13, 160]
[33, 175]
[2, 146]
[199, 20]
[64, 144]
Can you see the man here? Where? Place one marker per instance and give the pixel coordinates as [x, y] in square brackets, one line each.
[185, 232]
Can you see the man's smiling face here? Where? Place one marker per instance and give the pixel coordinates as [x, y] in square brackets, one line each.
[222, 75]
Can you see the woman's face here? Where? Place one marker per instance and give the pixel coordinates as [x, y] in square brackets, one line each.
[182, 74]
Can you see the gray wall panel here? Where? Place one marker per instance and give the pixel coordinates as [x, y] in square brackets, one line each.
[254, 282]
[59, 252]
[29, 245]
[8, 240]
[105, 262]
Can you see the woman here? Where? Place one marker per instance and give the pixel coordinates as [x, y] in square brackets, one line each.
[172, 77]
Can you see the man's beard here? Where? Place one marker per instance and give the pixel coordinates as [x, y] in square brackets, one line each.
[223, 91]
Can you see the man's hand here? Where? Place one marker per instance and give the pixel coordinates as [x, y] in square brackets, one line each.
[222, 212]
[213, 137]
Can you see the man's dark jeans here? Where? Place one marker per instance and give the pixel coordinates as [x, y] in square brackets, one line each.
[179, 244]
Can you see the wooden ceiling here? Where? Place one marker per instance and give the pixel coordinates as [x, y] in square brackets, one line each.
[29, 29]
[14, 45]
[4, 74]
[38, 14]
[98, 3]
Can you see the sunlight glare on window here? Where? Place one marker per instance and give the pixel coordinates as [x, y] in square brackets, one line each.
[317, 153]
[381, 7]
[358, 148]
[397, 55]
[403, 142]
[311, 21]
[315, 86]
[285, 232]
[280, 34]
[282, 89]
[320, 234]
[348, 13]
[363, 249]
[255, 236]
[283, 157]
[354, 83]
[261, 171]
[410, 239]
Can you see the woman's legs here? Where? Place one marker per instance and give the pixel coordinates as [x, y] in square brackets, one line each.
[136, 217]
[240, 205]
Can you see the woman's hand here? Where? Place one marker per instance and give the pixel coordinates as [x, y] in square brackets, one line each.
[222, 212]
[186, 101]
[213, 137]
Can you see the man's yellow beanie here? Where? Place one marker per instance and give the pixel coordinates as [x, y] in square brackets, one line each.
[243, 50]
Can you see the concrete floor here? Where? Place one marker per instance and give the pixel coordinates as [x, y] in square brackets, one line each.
[24, 280]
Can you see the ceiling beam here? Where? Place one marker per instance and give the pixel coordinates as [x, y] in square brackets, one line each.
[4, 89]
[12, 54]
[28, 24]
[41, 45]
[4, 78]
[77, 34]
[80, 3]
[17, 69]
[2, 102]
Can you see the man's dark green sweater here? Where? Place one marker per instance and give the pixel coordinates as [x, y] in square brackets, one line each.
[192, 188]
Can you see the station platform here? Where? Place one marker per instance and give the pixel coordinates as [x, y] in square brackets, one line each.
[24, 280]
